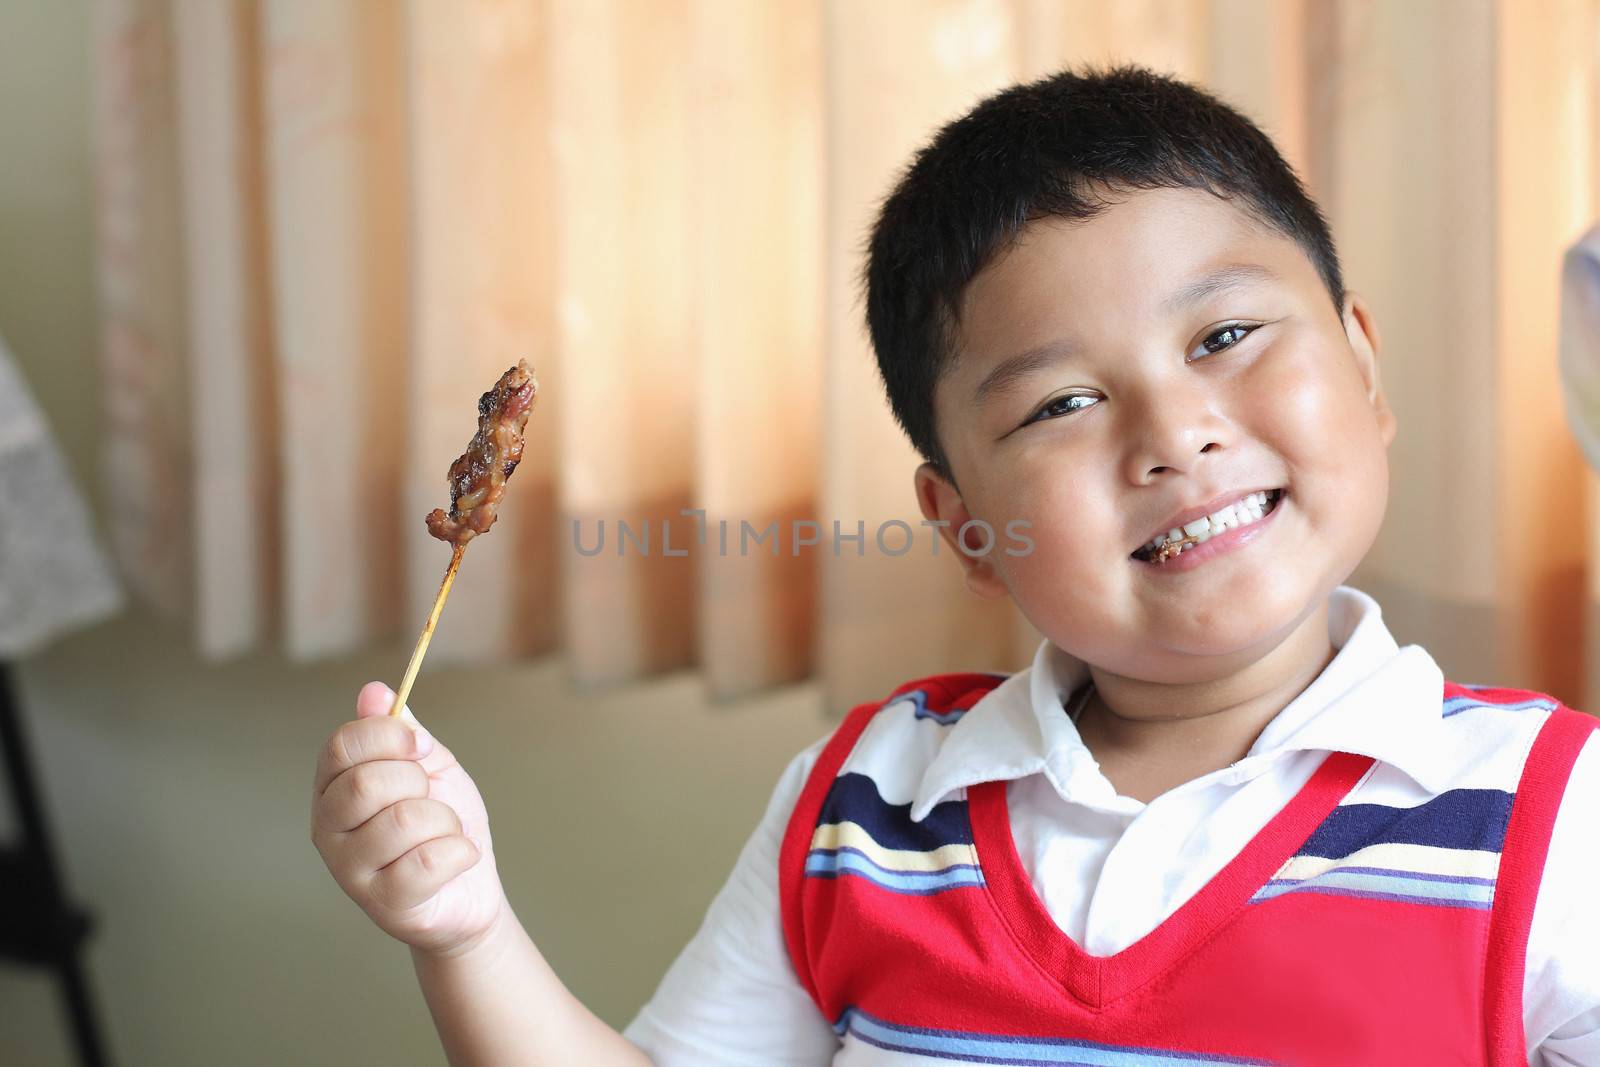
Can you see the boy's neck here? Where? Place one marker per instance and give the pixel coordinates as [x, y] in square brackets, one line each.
[1149, 737]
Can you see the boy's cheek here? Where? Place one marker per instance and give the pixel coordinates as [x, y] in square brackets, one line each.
[1063, 578]
[1299, 399]
[1323, 394]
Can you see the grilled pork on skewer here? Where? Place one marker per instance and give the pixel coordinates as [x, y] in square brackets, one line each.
[478, 476]
[477, 485]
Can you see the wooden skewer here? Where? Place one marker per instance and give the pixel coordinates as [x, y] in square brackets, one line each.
[427, 631]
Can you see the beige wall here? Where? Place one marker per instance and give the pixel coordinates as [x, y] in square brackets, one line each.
[179, 790]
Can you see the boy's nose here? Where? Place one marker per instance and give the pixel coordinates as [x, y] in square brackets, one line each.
[1169, 434]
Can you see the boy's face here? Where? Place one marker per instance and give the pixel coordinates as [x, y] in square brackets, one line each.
[1174, 412]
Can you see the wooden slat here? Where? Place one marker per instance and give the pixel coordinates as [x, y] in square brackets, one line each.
[336, 166]
[483, 218]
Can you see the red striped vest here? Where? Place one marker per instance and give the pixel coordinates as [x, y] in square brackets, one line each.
[1315, 945]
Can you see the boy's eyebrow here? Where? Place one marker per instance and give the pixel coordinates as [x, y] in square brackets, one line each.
[1232, 276]
[1002, 378]
[1018, 367]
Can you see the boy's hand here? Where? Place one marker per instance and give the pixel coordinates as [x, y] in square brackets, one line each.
[404, 831]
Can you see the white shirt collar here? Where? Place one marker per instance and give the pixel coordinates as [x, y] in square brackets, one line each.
[1374, 698]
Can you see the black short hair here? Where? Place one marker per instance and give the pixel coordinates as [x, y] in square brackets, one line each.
[1038, 150]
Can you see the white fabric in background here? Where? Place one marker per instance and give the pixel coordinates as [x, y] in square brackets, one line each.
[1580, 341]
[53, 576]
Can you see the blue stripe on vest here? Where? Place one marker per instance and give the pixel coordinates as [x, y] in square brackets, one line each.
[1458, 818]
[1456, 705]
[970, 1047]
[835, 862]
[1375, 883]
[854, 797]
[920, 710]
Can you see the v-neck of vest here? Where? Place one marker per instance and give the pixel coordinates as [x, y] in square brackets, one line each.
[1097, 981]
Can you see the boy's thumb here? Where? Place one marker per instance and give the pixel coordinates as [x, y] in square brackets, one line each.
[375, 699]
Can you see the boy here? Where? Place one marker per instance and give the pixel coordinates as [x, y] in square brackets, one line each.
[1223, 817]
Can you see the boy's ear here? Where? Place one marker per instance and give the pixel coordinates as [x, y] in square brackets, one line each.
[941, 502]
[1362, 331]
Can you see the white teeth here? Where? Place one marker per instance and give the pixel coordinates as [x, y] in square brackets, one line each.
[1242, 512]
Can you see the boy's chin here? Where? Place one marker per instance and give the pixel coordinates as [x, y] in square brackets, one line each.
[1207, 645]
[1188, 665]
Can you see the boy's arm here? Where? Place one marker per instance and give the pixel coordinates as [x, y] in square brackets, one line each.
[498, 1002]
[404, 831]
[1561, 997]
[732, 996]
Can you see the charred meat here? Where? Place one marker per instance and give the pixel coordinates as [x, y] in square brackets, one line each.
[478, 477]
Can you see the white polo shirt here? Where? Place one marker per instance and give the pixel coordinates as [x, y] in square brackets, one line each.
[1110, 868]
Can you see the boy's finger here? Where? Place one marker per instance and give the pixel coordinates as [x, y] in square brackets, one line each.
[374, 699]
[366, 789]
[368, 739]
[423, 871]
[398, 829]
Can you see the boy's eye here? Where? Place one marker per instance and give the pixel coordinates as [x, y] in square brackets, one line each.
[1238, 330]
[1066, 405]
[1061, 405]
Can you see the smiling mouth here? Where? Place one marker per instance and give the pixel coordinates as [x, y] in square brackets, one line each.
[1241, 516]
